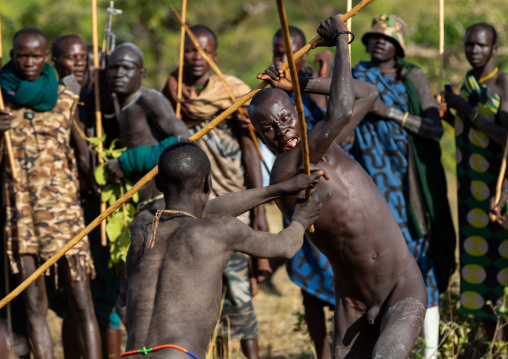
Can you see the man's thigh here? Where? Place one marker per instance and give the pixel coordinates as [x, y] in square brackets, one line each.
[354, 336]
[400, 327]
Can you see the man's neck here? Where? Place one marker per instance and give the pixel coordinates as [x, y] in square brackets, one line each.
[384, 65]
[124, 100]
[198, 82]
[481, 72]
[188, 205]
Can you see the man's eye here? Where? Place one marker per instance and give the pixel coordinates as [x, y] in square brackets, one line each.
[286, 118]
[268, 129]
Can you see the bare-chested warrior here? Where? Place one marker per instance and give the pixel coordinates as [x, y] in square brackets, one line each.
[380, 295]
[177, 256]
[146, 117]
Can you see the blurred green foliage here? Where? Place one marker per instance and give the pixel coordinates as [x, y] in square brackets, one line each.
[245, 29]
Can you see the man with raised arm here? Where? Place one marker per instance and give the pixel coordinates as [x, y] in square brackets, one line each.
[379, 290]
[177, 255]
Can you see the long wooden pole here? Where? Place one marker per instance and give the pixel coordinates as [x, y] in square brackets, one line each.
[441, 49]
[222, 79]
[150, 175]
[180, 67]
[7, 135]
[296, 93]
[349, 23]
[98, 113]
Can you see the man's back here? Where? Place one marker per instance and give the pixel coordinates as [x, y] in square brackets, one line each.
[174, 281]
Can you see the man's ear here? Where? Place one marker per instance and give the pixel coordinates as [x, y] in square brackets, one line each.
[53, 61]
[46, 56]
[258, 135]
[143, 72]
[11, 54]
[494, 50]
[157, 184]
[214, 55]
[208, 183]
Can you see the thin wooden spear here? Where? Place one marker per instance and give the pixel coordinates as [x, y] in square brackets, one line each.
[180, 67]
[7, 135]
[441, 49]
[349, 23]
[219, 73]
[150, 175]
[98, 113]
[296, 93]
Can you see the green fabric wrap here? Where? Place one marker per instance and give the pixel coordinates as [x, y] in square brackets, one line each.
[432, 181]
[40, 95]
[143, 158]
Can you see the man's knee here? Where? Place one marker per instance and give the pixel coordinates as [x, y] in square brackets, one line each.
[80, 298]
[400, 327]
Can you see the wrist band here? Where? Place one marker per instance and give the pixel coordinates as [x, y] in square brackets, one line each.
[475, 115]
[343, 32]
[404, 119]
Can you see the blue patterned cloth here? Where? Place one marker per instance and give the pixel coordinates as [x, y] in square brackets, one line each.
[309, 269]
[381, 147]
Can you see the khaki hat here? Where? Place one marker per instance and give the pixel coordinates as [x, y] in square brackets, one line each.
[390, 26]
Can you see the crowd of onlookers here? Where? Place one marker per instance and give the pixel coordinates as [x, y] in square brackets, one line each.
[50, 192]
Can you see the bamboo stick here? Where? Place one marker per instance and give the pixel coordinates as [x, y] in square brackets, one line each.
[7, 134]
[502, 172]
[8, 143]
[150, 175]
[296, 93]
[98, 113]
[180, 68]
[441, 49]
[349, 23]
[222, 79]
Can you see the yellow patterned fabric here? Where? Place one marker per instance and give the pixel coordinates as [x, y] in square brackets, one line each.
[42, 207]
[483, 244]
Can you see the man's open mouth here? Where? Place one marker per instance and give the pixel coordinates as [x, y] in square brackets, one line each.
[290, 144]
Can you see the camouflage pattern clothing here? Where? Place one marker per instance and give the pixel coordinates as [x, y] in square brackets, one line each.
[43, 212]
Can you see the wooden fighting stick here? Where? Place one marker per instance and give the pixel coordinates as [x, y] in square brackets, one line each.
[441, 50]
[180, 65]
[150, 175]
[219, 73]
[7, 135]
[98, 113]
[499, 185]
[296, 93]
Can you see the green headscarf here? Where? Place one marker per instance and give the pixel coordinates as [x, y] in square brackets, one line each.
[40, 95]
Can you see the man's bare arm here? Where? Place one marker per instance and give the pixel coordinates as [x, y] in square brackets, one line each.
[282, 245]
[254, 179]
[237, 203]
[365, 93]
[163, 117]
[495, 132]
[428, 125]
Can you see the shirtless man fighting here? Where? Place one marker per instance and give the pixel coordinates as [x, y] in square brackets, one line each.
[177, 257]
[379, 290]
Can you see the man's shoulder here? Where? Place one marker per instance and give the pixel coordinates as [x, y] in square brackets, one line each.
[66, 95]
[151, 96]
[503, 84]
[235, 82]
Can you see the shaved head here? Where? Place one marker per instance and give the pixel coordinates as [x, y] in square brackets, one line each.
[182, 169]
[129, 50]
